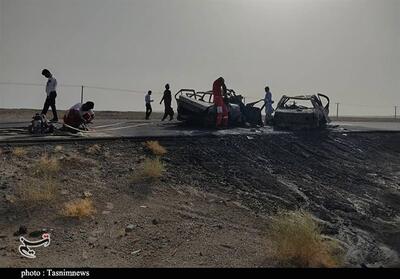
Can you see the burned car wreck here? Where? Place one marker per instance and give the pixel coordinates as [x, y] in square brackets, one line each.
[198, 108]
[302, 112]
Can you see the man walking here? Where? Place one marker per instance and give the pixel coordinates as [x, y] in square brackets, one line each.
[219, 92]
[148, 102]
[51, 88]
[268, 106]
[167, 99]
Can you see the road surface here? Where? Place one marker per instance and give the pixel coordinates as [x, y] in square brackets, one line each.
[13, 132]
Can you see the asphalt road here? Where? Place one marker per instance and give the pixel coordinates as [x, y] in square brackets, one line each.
[369, 126]
[11, 132]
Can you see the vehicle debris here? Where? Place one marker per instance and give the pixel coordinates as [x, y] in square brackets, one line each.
[130, 228]
[198, 108]
[299, 112]
[136, 252]
[40, 125]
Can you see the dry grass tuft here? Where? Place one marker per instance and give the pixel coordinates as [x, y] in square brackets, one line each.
[297, 241]
[35, 191]
[151, 169]
[156, 148]
[19, 152]
[76, 161]
[58, 148]
[93, 149]
[46, 166]
[79, 208]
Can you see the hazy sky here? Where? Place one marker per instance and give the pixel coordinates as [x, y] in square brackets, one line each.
[348, 49]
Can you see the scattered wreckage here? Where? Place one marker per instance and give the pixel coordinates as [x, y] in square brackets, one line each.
[298, 112]
[40, 125]
[302, 112]
[198, 108]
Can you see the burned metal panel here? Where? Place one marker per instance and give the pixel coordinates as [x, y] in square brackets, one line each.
[198, 107]
[299, 116]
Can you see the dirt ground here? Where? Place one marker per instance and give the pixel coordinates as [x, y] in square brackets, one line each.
[212, 206]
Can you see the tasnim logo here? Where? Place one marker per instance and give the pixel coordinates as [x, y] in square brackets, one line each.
[25, 248]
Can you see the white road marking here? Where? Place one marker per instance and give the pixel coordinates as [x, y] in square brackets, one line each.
[125, 127]
[110, 125]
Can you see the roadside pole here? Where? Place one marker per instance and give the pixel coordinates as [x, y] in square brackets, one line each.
[337, 111]
[395, 112]
[82, 94]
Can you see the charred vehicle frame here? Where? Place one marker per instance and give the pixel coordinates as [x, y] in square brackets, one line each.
[198, 107]
[297, 116]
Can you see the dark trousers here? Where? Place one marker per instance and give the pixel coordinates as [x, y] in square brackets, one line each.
[168, 111]
[148, 111]
[50, 102]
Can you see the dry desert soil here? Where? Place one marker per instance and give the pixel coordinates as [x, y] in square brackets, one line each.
[212, 205]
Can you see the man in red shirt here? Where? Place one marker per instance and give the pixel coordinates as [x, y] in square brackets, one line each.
[219, 91]
[79, 115]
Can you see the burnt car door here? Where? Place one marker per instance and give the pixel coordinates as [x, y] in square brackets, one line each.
[325, 107]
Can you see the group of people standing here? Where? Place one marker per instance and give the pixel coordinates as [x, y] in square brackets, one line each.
[167, 99]
[219, 93]
[82, 113]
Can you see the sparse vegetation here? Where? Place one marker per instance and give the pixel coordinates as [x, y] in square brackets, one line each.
[58, 148]
[298, 242]
[156, 148]
[77, 161]
[35, 191]
[10, 198]
[188, 195]
[151, 169]
[93, 149]
[46, 166]
[79, 208]
[19, 152]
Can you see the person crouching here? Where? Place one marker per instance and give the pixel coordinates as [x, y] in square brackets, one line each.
[79, 115]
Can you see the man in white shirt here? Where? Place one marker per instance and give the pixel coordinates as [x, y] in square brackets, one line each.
[51, 94]
[148, 101]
